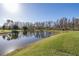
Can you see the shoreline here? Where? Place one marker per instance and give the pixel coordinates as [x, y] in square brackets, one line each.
[54, 45]
[29, 45]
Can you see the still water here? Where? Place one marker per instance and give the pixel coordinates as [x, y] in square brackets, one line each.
[15, 40]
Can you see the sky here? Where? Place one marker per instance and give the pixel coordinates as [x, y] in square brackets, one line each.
[34, 12]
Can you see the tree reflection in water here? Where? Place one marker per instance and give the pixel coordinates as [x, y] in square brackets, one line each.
[16, 34]
[25, 33]
[12, 35]
[42, 34]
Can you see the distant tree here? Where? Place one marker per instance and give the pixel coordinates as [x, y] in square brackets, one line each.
[8, 20]
[15, 27]
[25, 28]
[3, 27]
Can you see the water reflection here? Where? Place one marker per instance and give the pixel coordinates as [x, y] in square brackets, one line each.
[15, 40]
[12, 35]
[42, 34]
[16, 34]
[25, 33]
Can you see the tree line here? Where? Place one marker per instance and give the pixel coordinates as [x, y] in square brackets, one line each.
[60, 24]
[67, 24]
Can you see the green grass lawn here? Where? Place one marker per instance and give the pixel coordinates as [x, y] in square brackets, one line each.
[61, 44]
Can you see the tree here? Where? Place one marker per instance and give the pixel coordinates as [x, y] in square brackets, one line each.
[25, 28]
[15, 27]
[3, 27]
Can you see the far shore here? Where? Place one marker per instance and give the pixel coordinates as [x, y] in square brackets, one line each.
[54, 31]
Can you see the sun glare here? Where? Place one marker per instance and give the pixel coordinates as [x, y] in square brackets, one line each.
[11, 7]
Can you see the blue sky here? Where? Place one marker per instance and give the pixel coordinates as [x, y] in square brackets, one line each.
[40, 12]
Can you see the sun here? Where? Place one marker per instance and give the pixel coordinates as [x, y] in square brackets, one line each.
[11, 7]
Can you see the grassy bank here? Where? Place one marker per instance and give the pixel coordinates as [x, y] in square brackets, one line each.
[61, 44]
[6, 31]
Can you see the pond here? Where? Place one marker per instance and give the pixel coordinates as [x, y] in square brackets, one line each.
[15, 40]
